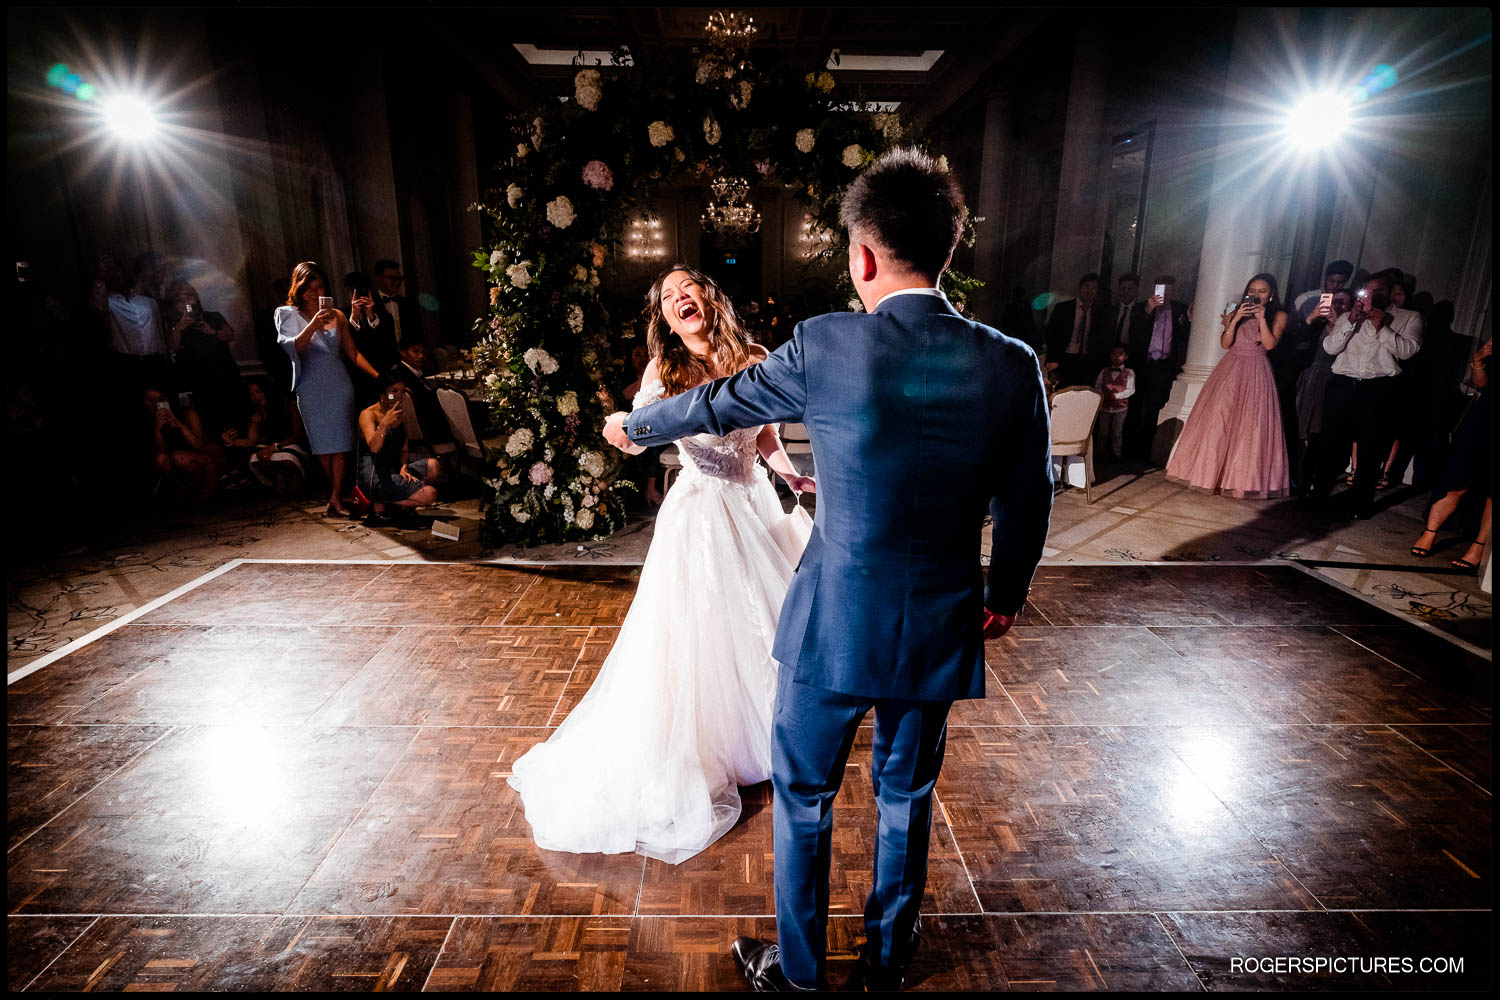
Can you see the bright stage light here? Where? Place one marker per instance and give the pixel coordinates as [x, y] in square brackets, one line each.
[1318, 119]
[130, 118]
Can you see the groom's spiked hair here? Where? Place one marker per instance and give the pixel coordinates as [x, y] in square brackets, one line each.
[908, 206]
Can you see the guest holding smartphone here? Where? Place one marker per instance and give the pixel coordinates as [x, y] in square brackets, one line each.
[181, 452]
[375, 340]
[1369, 343]
[385, 473]
[316, 337]
[1233, 441]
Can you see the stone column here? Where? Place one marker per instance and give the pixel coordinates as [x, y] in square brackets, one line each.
[1083, 181]
[989, 246]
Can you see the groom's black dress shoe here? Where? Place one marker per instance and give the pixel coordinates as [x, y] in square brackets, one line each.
[871, 977]
[760, 963]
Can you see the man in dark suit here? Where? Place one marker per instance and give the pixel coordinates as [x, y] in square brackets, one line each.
[1127, 315]
[374, 335]
[888, 608]
[395, 307]
[435, 429]
[1157, 354]
[1078, 335]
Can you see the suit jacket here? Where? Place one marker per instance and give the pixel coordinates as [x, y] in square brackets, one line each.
[1060, 331]
[919, 419]
[411, 319]
[1140, 346]
[1135, 321]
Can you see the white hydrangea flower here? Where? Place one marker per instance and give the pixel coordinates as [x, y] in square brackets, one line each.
[806, 138]
[491, 379]
[519, 513]
[711, 131]
[497, 259]
[514, 194]
[568, 403]
[518, 275]
[853, 155]
[575, 318]
[942, 164]
[539, 360]
[520, 442]
[547, 493]
[588, 89]
[660, 133]
[585, 519]
[591, 462]
[560, 212]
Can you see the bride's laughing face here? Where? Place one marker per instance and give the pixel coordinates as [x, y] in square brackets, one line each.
[683, 304]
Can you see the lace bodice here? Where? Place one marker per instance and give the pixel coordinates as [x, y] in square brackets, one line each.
[731, 457]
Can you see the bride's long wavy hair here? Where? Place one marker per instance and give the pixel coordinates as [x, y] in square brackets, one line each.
[729, 344]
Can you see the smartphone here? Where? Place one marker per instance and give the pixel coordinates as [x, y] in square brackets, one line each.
[162, 404]
[1325, 301]
[191, 309]
[325, 302]
[185, 400]
[1161, 292]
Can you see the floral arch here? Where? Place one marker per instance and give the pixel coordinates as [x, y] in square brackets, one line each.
[560, 204]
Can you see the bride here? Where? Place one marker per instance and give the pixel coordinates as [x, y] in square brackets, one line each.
[652, 758]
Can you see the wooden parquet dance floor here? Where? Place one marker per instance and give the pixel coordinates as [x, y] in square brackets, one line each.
[292, 777]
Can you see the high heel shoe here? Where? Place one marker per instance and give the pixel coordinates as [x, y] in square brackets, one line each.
[1420, 551]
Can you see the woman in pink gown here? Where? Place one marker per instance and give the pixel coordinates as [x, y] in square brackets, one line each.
[1233, 442]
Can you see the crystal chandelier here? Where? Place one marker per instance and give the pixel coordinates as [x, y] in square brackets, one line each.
[731, 213]
[645, 239]
[731, 30]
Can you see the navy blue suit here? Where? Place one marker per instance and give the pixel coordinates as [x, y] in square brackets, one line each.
[919, 419]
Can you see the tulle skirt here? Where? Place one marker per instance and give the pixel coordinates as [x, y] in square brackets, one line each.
[651, 760]
[1233, 442]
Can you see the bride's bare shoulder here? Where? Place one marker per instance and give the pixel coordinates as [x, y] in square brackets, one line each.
[758, 353]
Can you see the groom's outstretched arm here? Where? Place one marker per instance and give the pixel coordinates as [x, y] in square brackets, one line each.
[770, 392]
[1022, 505]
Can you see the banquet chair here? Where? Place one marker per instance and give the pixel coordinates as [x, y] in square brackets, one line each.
[795, 440]
[470, 448]
[1074, 411]
[672, 464]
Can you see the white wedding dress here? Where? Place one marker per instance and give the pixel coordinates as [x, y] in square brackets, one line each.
[651, 760]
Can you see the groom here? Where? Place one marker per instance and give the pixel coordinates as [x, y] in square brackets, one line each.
[919, 420]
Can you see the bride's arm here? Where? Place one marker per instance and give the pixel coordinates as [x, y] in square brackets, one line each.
[769, 444]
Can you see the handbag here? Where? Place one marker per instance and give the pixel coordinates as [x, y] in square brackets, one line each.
[792, 530]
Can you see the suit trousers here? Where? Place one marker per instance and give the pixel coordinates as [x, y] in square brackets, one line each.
[1153, 389]
[1358, 411]
[812, 733]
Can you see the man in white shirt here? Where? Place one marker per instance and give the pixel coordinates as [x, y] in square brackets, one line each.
[133, 320]
[1336, 275]
[1368, 343]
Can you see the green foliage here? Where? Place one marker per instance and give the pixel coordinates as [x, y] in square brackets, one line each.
[559, 205]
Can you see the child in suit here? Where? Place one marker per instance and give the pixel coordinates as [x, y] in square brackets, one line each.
[1116, 384]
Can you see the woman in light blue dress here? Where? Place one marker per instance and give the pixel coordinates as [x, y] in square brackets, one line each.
[316, 336]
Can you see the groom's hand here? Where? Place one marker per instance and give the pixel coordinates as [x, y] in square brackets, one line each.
[614, 433]
[996, 625]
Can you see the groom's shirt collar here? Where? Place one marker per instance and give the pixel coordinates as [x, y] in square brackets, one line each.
[936, 292]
